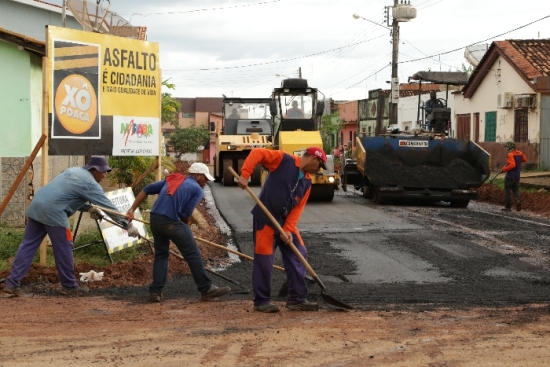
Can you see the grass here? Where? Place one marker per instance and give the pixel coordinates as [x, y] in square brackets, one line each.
[499, 182]
[96, 254]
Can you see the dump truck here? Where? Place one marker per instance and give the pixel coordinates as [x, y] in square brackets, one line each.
[246, 125]
[419, 164]
[296, 111]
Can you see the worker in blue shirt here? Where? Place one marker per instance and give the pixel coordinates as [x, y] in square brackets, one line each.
[178, 195]
[49, 214]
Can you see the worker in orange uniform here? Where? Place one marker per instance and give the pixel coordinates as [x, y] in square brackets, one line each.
[284, 194]
[512, 168]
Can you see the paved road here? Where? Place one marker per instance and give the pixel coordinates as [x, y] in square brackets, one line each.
[402, 255]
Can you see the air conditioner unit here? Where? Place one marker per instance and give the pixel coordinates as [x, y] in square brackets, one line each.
[504, 100]
[526, 101]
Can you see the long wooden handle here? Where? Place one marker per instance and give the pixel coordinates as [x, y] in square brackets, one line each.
[106, 210]
[234, 252]
[278, 227]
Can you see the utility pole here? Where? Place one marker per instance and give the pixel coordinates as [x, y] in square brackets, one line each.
[394, 75]
[400, 13]
[300, 72]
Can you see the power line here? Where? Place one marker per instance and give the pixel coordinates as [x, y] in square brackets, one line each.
[210, 9]
[475, 43]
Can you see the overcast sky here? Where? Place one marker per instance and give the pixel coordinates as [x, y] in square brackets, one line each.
[237, 47]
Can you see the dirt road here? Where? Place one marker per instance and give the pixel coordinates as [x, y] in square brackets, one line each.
[106, 332]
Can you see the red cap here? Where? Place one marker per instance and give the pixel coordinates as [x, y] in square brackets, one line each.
[319, 153]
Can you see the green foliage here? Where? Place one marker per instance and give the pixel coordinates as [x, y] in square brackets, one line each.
[10, 238]
[127, 169]
[170, 105]
[188, 139]
[330, 126]
[467, 69]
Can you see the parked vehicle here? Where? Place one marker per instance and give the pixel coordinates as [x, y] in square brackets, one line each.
[246, 125]
[296, 110]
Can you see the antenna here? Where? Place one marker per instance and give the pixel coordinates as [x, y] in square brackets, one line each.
[95, 18]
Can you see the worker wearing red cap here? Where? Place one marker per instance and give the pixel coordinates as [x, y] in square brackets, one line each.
[284, 194]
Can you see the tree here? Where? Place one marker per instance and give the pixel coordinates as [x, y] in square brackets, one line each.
[467, 69]
[330, 127]
[188, 139]
[170, 105]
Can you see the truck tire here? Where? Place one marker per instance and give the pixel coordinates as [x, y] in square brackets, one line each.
[217, 177]
[460, 203]
[227, 176]
[367, 192]
[256, 178]
[376, 197]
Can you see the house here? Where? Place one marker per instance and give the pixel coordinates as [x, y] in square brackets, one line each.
[200, 111]
[507, 98]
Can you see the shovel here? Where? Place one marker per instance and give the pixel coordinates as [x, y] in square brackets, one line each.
[329, 299]
[197, 238]
[495, 176]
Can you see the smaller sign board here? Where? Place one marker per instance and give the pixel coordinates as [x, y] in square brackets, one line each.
[115, 237]
[414, 143]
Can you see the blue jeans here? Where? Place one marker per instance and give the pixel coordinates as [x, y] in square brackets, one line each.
[165, 229]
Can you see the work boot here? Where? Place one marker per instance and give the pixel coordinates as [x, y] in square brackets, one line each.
[214, 292]
[267, 308]
[14, 291]
[76, 291]
[156, 297]
[506, 209]
[303, 306]
[518, 206]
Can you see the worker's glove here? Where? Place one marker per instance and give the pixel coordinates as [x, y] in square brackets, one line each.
[133, 231]
[95, 213]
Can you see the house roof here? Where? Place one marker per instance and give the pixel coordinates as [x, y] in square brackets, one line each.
[30, 44]
[529, 58]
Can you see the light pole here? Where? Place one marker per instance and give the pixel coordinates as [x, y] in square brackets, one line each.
[403, 12]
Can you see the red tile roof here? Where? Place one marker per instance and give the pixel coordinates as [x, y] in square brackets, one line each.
[530, 58]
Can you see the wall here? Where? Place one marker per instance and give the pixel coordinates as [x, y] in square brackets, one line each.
[30, 20]
[15, 102]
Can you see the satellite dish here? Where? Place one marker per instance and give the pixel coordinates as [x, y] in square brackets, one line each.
[200, 148]
[95, 18]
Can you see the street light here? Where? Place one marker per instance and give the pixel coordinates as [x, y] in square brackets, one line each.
[400, 13]
[357, 16]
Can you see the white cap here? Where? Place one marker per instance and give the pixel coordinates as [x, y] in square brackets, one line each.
[201, 168]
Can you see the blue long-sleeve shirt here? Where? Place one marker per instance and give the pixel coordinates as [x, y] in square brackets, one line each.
[181, 204]
[70, 191]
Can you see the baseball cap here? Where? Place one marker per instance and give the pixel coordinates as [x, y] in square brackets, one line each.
[99, 163]
[319, 153]
[201, 168]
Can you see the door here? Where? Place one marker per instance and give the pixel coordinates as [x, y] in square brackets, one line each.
[463, 126]
[476, 127]
[545, 132]
[491, 126]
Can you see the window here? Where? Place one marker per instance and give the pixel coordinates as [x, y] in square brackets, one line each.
[521, 123]
[188, 114]
[490, 126]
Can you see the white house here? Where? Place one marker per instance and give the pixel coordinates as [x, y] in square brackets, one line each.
[507, 98]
